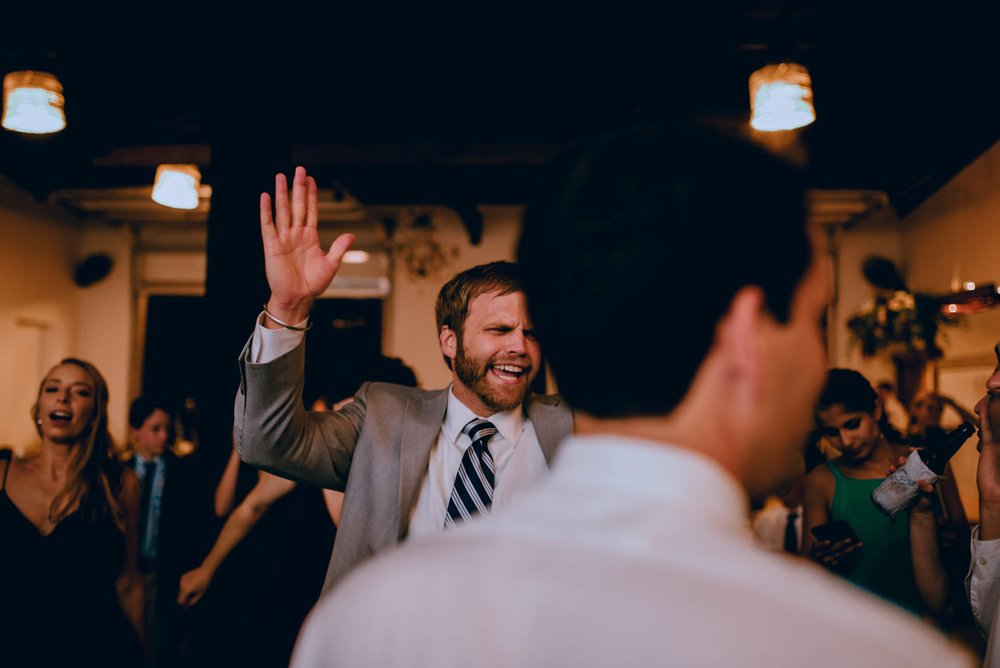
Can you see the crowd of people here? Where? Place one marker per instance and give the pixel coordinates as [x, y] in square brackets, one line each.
[484, 524]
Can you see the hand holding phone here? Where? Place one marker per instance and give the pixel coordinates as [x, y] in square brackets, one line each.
[835, 532]
[835, 541]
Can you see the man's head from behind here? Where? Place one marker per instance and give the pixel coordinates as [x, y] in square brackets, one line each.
[486, 338]
[654, 249]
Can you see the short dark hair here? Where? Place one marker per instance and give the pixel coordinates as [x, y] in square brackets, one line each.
[636, 250]
[847, 388]
[143, 406]
[452, 305]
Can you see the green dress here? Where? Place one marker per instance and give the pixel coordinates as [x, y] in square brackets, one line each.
[884, 565]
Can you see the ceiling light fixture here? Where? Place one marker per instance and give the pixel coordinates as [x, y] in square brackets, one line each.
[176, 186]
[781, 98]
[356, 257]
[32, 102]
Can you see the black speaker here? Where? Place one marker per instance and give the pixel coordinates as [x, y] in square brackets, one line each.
[92, 269]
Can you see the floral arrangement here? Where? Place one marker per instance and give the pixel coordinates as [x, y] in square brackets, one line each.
[900, 322]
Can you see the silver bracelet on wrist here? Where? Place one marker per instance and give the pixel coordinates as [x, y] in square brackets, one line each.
[284, 324]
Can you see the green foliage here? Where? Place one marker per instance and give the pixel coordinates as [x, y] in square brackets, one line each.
[901, 323]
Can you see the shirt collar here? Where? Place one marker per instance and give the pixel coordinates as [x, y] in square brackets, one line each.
[140, 460]
[509, 423]
[656, 475]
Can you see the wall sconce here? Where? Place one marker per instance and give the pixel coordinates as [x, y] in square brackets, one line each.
[176, 186]
[33, 103]
[781, 98]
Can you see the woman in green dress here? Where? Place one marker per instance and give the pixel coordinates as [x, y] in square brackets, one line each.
[897, 559]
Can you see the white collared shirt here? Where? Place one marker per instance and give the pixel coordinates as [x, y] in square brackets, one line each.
[633, 553]
[517, 460]
[983, 588]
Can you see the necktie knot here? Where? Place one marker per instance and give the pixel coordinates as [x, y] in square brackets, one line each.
[479, 430]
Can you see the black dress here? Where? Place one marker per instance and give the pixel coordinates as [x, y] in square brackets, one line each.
[58, 603]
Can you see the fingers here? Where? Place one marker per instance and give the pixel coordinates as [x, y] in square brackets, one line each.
[312, 209]
[300, 189]
[339, 247]
[266, 221]
[282, 221]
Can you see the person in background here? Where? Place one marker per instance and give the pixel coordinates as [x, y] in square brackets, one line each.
[983, 580]
[72, 592]
[174, 523]
[926, 413]
[636, 551]
[268, 490]
[778, 525]
[896, 412]
[897, 559]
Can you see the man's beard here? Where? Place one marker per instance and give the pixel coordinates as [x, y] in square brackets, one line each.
[473, 372]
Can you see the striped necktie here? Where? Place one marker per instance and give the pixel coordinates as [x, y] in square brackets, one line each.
[473, 490]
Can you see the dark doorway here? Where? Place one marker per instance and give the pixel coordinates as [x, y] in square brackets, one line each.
[175, 356]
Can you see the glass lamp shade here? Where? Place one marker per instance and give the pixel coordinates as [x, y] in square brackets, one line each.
[32, 102]
[781, 98]
[176, 186]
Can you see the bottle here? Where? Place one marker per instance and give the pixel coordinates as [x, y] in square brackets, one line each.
[899, 491]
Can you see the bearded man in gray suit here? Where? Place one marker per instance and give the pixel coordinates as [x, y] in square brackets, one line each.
[395, 451]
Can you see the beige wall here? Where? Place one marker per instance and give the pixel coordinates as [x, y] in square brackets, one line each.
[104, 324]
[38, 303]
[45, 316]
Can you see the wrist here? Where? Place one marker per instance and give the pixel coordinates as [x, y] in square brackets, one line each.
[989, 520]
[280, 315]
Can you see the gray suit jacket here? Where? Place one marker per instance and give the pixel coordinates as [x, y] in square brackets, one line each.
[383, 440]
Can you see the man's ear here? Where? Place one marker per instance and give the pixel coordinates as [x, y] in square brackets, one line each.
[449, 342]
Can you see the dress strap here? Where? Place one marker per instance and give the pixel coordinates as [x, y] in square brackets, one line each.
[6, 455]
[835, 470]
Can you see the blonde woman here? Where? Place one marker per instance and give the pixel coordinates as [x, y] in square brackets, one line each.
[71, 586]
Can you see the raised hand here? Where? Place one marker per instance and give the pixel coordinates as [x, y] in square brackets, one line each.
[297, 269]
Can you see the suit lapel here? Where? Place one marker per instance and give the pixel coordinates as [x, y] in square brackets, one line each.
[421, 425]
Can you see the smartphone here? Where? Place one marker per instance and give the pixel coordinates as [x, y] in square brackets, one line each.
[835, 532]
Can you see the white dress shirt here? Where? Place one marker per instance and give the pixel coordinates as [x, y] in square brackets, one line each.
[517, 456]
[770, 522]
[517, 459]
[983, 587]
[633, 553]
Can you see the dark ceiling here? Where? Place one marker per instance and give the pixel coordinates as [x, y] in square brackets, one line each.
[428, 116]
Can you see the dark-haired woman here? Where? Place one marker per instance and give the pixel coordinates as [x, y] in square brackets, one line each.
[71, 585]
[897, 559]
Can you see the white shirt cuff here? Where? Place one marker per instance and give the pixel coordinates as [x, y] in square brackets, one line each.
[984, 579]
[270, 344]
